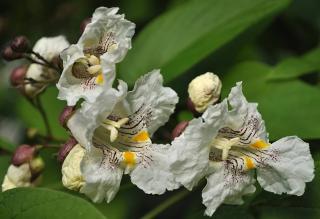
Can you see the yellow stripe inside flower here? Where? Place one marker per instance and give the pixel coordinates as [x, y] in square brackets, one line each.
[260, 144]
[129, 158]
[249, 163]
[99, 79]
[141, 137]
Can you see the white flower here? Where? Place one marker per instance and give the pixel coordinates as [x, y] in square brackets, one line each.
[116, 131]
[89, 65]
[239, 148]
[71, 173]
[17, 177]
[204, 90]
[38, 77]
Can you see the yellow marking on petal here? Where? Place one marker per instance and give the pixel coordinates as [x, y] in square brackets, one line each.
[249, 163]
[99, 79]
[260, 144]
[141, 136]
[129, 158]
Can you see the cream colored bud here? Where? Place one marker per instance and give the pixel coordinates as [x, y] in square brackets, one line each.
[204, 90]
[37, 165]
[17, 177]
[71, 173]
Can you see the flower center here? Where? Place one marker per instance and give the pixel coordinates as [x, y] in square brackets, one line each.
[113, 127]
[225, 145]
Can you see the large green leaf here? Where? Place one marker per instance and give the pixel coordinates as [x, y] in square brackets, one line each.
[6, 145]
[289, 107]
[296, 66]
[183, 36]
[25, 203]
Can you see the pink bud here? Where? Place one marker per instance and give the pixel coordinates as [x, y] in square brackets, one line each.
[65, 115]
[18, 75]
[23, 154]
[84, 23]
[9, 55]
[20, 44]
[66, 148]
[178, 130]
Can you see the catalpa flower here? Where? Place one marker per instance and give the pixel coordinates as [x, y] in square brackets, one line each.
[238, 149]
[38, 77]
[89, 65]
[116, 131]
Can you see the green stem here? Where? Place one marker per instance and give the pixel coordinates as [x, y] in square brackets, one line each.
[166, 204]
[44, 117]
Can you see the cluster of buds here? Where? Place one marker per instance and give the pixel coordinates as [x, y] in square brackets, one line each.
[25, 169]
[45, 63]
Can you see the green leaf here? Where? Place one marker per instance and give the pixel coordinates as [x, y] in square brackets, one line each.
[289, 107]
[287, 213]
[294, 67]
[180, 38]
[25, 203]
[4, 164]
[6, 145]
[31, 117]
[224, 212]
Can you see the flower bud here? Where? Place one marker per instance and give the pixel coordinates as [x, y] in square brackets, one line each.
[36, 165]
[65, 149]
[18, 75]
[65, 115]
[71, 174]
[178, 130]
[204, 90]
[9, 55]
[84, 23]
[20, 44]
[17, 177]
[23, 154]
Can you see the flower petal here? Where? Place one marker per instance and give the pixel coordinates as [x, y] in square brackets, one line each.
[50, 47]
[292, 167]
[153, 175]
[85, 120]
[149, 91]
[102, 176]
[190, 151]
[223, 186]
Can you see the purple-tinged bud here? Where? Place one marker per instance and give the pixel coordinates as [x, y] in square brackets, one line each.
[18, 75]
[57, 61]
[84, 23]
[65, 149]
[191, 106]
[20, 44]
[65, 115]
[178, 130]
[23, 154]
[9, 55]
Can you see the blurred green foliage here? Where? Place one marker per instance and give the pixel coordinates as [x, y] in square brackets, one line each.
[270, 45]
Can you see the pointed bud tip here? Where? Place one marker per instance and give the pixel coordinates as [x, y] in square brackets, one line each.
[178, 130]
[17, 75]
[84, 23]
[20, 44]
[66, 148]
[23, 154]
[65, 115]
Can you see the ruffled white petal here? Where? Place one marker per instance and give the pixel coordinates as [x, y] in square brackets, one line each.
[223, 186]
[87, 119]
[106, 20]
[242, 111]
[148, 90]
[102, 178]
[291, 169]
[190, 151]
[154, 176]
[50, 47]
[17, 177]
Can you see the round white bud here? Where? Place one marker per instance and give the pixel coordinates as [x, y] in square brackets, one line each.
[204, 90]
[71, 173]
